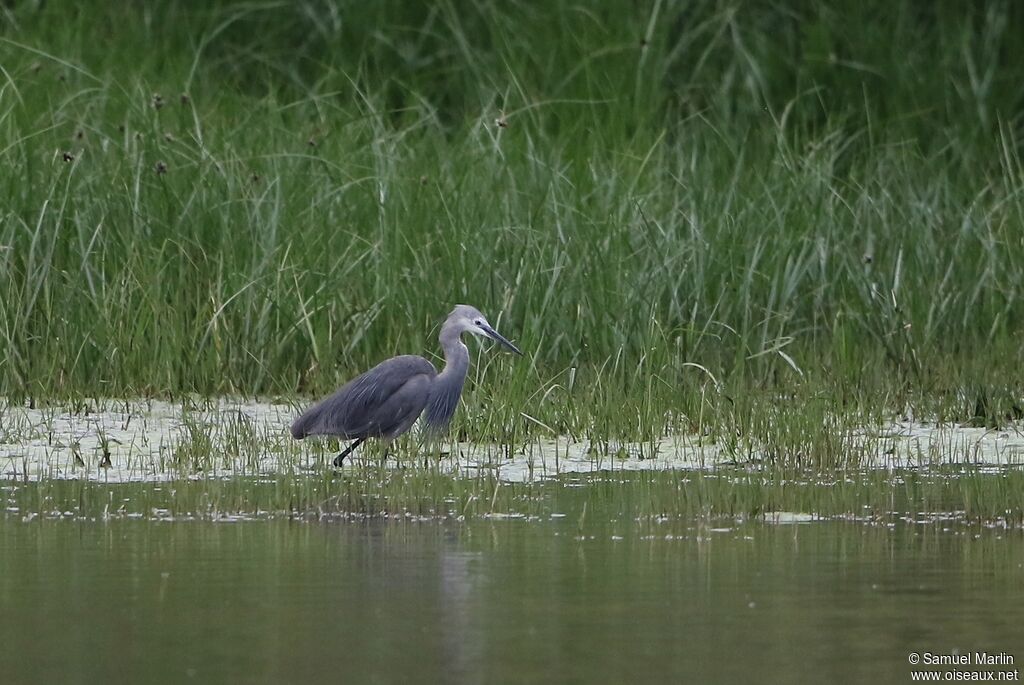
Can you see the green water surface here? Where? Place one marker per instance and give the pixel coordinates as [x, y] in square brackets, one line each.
[507, 600]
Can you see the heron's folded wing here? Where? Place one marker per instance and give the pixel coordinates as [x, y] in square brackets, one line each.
[355, 410]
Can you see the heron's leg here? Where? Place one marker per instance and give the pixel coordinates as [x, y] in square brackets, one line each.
[431, 449]
[340, 459]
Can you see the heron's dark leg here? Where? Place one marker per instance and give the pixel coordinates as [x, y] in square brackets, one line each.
[340, 459]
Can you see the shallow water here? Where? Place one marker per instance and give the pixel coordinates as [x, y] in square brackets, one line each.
[498, 601]
[156, 441]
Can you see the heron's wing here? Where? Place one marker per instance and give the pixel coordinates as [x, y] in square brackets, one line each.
[376, 403]
[401, 410]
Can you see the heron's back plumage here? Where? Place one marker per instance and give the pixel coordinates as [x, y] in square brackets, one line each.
[383, 402]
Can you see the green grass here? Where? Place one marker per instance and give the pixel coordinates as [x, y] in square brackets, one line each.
[739, 219]
[960, 495]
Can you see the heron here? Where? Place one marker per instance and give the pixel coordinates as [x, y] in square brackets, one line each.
[385, 401]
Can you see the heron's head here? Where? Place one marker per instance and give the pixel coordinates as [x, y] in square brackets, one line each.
[469, 320]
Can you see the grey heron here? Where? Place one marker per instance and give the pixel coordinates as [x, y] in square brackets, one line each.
[385, 401]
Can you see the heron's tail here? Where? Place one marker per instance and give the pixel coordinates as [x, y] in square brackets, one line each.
[300, 427]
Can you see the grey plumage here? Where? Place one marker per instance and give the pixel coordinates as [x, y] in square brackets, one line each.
[385, 401]
[375, 404]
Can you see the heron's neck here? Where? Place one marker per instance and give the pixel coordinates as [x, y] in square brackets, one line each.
[456, 356]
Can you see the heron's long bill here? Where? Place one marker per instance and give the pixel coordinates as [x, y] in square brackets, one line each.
[495, 335]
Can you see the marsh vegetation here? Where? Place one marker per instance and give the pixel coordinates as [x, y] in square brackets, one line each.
[766, 262]
[689, 215]
[759, 230]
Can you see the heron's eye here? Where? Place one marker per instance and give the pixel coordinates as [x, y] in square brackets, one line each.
[478, 322]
